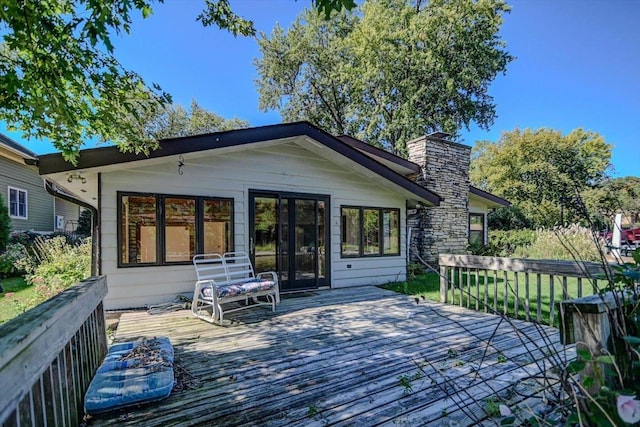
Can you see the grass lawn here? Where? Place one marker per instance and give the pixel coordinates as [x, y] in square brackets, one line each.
[13, 301]
[428, 286]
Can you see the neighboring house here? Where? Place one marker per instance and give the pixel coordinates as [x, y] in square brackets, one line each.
[321, 211]
[30, 206]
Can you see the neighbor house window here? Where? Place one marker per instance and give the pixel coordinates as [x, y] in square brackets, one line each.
[17, 203]
[370, 231]
[476, 228]
[156, 229]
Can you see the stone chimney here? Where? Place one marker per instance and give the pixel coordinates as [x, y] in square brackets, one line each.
[444, 170]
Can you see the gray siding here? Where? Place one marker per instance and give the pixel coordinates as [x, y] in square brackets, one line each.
[70, 213]
[39, 202]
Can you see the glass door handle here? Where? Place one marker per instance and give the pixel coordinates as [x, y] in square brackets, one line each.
[252, 246]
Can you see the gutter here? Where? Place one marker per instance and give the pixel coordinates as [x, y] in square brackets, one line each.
[53, 189]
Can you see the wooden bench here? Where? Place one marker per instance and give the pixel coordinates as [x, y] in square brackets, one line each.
[227, 278]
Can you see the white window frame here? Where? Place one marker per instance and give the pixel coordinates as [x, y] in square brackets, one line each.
[26, 202]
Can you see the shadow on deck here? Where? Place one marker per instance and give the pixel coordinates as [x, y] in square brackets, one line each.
[358, 356]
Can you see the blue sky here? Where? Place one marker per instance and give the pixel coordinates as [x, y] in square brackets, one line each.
[578, 65]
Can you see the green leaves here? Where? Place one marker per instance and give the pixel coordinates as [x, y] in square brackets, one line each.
[219, 13]
[176, 121]
[542, 171]
[326, 7]
[387, 72]
[60, 80]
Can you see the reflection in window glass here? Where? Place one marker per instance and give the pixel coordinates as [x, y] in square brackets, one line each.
[217, 226]
[391, 231]
[321, 243]
[17, 203]
[371, 227]
[179, 229]
[476, 228]
[351, 232]
[370, 231]
[138, 229]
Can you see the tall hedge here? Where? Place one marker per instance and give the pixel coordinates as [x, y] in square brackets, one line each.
[5, 224]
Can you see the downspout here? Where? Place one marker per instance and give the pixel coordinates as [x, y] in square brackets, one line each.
[52, 189]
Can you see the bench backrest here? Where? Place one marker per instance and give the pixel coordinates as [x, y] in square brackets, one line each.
[238, 266]
[211, 267]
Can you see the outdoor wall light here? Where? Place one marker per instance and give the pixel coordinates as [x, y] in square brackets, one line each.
[75, 176]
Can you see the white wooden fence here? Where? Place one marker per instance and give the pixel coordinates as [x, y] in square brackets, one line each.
[48, 356]
[514, 286]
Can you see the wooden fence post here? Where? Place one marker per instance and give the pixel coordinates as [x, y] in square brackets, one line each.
[443, 284]
[586, 322]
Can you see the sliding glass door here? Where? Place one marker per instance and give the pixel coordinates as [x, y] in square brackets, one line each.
[289, 234]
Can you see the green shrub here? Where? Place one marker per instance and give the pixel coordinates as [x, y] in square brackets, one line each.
[477, 248]
[508, 218]
[573, 242]
[414, 269]
[11, 260]
[506, 242]
[84, 224]
[5, 224]
[55, 265]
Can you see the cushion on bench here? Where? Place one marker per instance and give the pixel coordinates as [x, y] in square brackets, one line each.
[240, 288]
[132, 373]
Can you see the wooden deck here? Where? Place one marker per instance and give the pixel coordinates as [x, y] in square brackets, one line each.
[360, 356]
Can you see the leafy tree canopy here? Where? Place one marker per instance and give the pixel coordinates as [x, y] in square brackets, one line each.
[617, 195]
[60, 80]
[542, 171]
[176, 121]
[388, 71]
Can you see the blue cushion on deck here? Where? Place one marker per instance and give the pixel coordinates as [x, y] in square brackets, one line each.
[144, 378]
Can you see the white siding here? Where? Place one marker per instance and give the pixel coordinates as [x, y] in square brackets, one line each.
[286, 167]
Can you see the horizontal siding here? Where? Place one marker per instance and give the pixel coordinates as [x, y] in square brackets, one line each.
[70, 213]
[39, 202]
[286, 167]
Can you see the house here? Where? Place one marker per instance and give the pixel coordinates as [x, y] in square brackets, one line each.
[322, 211]
[30, 206]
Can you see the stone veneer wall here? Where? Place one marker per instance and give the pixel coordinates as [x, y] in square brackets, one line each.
[445, 171]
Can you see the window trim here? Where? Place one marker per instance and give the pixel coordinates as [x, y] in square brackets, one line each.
[160, 226]
[484, 226]
[381, 242]
[26, 202]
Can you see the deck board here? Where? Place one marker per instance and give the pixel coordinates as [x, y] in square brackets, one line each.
[337, 357]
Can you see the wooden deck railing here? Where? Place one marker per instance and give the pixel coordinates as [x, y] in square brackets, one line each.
[48, 356]
[515, 286]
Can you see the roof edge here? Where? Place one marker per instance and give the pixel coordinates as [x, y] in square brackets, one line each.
[105, 156]
[376, 151]
[489, 196]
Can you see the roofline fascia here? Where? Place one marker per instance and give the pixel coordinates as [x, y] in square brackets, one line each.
[105, 156]
[361, 145]
[489, 196]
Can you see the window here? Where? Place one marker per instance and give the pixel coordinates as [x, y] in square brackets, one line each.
[370, 231]
[157, 229]
[476, 229]
[351, 232]
[17, 203]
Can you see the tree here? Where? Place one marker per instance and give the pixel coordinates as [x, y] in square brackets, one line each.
[60, 80]
[176, 121]
[542, 171]
[5, 224]
[388, 72]
[618, 195]
[84, 228]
